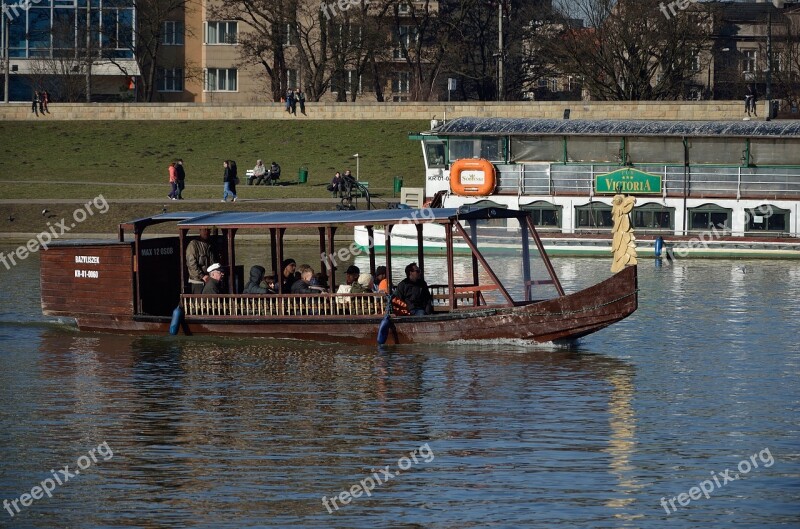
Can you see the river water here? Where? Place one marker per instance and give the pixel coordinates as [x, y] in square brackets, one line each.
[698, 386]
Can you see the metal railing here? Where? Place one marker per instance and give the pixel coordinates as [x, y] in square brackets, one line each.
[703, 180]
[283, 305]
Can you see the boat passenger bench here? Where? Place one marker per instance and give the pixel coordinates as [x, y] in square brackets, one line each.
[466, 296]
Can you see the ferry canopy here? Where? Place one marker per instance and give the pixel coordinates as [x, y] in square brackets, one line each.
[350, 218]
[472, 127]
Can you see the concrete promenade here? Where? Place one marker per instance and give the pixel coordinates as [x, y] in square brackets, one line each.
[655, 110]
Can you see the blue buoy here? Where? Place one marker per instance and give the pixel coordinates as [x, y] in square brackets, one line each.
[383, 330]
[659, 246]
[177, 318]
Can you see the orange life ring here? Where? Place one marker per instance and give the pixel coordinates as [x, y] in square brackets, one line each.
[472, 177]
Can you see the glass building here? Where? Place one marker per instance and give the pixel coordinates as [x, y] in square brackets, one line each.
[52, 44]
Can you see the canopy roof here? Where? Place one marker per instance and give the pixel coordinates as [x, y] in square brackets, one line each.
[469, 126]
[351, 218]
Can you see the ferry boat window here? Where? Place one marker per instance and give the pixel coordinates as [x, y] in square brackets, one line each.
[654, 217]
[488, 148]
[774, 152]
[709, 216]
[544, 214]
[434, 152]
[593, 215]
[543, 149]
[727, 151]
[767, 218]
[594, 149]
[654, 150]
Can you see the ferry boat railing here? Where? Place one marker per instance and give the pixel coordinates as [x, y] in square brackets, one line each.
[283, 305]
[465, 296]
[544, 179]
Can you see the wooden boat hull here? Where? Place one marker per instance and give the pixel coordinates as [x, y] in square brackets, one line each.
[560, 319]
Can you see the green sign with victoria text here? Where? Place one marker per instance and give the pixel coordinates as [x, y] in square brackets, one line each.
[628, 180]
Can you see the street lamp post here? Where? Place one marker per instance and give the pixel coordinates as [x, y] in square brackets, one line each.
[356, 156]
[500, 50]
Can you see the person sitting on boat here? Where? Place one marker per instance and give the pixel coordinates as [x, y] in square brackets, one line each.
[304, 284]
[351, 276]
[414, 292]
[214, 284]
[288, 268]
[381, 281]
[362, 285]
[259, 173]
[254, 284]
[199, 256]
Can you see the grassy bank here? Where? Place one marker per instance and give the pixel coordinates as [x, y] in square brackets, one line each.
[129, 159]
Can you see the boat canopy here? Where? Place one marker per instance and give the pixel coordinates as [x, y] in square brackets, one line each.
[278, 219]
[470, 126]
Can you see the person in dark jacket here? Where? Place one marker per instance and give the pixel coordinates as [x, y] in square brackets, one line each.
[256, 277]
[229, 180]
[304, 284]
[181, 175]
[214, 284]
[288, 268]
[414, 292]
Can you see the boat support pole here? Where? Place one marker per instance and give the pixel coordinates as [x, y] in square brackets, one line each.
[545, 258]
[488, 268]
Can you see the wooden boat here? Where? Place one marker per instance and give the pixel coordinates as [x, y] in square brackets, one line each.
[509, 291]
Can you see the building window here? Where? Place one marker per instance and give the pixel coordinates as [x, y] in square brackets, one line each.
[544, 214]
[353, 82]
[654, 217]
[710, 217]
[170, 80]
[289, 36]
[403, 40]
[221, 80]
[694, 62]
[749, 61]
[554, 85]
[767, 218]
[172, 34]
[221, 32]
[594, 215]
[401, 83]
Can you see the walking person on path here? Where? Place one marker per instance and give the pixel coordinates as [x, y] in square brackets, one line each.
[45, 100]
[229, 180]
[35, 103]
[289, 100]
[181, 177]
[173, 181]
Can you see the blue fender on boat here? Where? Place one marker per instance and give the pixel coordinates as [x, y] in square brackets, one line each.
[659, 246]
[383, 330]
[177, 318]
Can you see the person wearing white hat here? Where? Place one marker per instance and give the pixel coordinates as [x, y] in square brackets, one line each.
[214, 284]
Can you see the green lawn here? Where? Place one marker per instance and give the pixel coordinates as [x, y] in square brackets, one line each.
[82, 159]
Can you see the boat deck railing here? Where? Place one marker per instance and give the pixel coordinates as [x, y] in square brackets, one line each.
[283, 305]
[703, 180]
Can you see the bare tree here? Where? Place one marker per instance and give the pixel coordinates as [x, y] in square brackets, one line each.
[630, 50]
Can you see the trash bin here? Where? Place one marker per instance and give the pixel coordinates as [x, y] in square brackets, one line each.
[398, 184]
[302, 175]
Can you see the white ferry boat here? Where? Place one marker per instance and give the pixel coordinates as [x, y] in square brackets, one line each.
[707, 188]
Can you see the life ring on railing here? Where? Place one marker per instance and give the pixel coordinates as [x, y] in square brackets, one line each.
[472, 177]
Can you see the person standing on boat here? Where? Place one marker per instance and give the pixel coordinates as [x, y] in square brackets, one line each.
[414, 292]
[214, 284]
[199, 256]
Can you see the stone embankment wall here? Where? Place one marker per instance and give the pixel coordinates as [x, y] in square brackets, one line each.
[656, 110]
